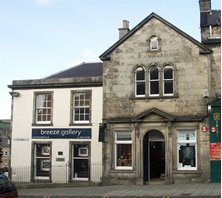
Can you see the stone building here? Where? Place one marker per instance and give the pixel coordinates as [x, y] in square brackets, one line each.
[157, 83]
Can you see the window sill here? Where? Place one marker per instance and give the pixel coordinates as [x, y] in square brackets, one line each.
[153, 97]
[42, 124]
[187, 171]
[80, 124]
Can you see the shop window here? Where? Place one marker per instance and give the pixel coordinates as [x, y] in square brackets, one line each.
[186, 147]
[81, 107]
[80, 162]
[123, 150]
[43, 108]
[154, 81]
[168, 80]
[140, 82]
[42, 161]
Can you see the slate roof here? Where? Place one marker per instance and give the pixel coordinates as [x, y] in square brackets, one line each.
[212, 17]
[106, 54]
[94, 69]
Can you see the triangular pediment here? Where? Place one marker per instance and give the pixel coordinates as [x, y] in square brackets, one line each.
[154, 114]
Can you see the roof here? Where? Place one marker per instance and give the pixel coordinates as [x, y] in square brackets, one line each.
[106, 54]
[82, 70]
[212, 17]
[82, 75]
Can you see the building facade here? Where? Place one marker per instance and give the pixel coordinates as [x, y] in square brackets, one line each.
[55, 126]
[157, 83]
[5, 137]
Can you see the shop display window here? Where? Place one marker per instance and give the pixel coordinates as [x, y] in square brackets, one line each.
[123, 150]
[186, 146]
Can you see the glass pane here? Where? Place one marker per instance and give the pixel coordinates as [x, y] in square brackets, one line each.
[154, 87]
[154, 73]
[124, 155]
[168, 73]
[140, 74]
[140, 88]
[124, 136]
[168, 87]
[187, 156]
[186, 136]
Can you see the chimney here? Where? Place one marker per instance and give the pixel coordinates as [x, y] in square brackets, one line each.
[205, 5]
[124, 30]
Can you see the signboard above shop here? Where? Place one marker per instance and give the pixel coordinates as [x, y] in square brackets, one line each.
[61, 133]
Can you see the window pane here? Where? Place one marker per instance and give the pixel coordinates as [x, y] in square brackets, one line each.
[124, 136]
[124, 155]
[187, 155]
[140, 88]
[186, 136]
[154, 73]
[168, 87]
[140, 74]
[154, 87]
[168, 73]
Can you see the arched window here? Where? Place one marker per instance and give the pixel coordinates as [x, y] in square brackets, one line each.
[153, 81]
[140, 82]
[154, 44]
[168, 80]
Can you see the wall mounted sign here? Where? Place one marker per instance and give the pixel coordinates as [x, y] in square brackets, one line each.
[215, 151]
[61, 133]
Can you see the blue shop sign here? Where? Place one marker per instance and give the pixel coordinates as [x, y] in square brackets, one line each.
[61, 133]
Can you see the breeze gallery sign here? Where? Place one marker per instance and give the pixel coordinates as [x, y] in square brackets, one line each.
[57, 133]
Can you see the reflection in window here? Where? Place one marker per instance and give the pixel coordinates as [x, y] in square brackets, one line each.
[140, 81]
[81, 107]
[168, 80]
[123, 150]
[186, 144]
[153, 81]
[43, 108]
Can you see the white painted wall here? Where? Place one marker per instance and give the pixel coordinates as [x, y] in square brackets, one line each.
[23, 107]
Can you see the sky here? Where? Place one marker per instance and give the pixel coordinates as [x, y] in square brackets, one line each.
[43, 37]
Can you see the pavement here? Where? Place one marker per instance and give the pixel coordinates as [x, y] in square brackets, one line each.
[192, 190]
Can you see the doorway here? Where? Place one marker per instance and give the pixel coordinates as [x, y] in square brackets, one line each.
[153, 156]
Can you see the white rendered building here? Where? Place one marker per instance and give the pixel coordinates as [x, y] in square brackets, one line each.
[55, 126]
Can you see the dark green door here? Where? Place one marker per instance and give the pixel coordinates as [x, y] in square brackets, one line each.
[215, 140]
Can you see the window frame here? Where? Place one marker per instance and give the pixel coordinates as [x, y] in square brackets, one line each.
[123, 142]
[164, 80]
[154, 80]
[154, 40]
[181, 142]
[36, 109]
[139, 82]
[76, 122]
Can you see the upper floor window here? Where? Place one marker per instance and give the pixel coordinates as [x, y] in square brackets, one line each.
[81, 107]
[168, 78]
[154, 81]
[159, 81]
[43, 108]
[154, 44]
[140, 82]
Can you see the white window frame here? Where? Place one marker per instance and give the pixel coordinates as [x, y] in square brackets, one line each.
[169, 94]
[122, 142]
[154, 42]
[41, 108]
[153, 95]
[140, 81]
[84, 106]
[180, 142]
